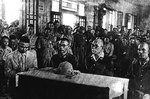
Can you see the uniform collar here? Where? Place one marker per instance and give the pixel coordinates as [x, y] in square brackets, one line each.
[98, 56]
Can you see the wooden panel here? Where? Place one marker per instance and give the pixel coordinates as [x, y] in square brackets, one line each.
[33, 87]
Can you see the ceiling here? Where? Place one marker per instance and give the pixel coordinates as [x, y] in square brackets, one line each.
[139, 2]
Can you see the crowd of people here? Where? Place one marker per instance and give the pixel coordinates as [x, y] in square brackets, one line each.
[95, 51]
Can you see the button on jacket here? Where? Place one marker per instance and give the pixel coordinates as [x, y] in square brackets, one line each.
[140, 77]
[17, 62]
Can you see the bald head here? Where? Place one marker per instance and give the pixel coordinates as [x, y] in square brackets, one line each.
[144, 44]
[143, 50]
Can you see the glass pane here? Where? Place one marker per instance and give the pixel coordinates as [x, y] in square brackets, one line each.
[31, 6]
[34, 26]
[31, 16]
[31, 21]
[34, 7]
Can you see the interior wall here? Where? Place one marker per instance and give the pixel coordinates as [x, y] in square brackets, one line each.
[145, 18]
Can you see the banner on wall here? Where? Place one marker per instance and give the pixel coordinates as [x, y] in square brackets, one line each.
[69, 19]
[55, 5]
[41, 7]
[69, 5]
[81, 9]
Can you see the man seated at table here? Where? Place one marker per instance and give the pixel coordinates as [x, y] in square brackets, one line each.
[19, 61]
[95, 62]
[63, 54]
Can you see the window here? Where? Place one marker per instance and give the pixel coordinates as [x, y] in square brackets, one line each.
[82, 21]
[108, 20]
[120, 18]
[129, 21]
[135, 21]
[31, 13]
[69, 19]
[55, 16]
[126, 19]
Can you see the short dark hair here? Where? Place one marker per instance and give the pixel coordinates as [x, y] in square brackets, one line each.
[65, 39]
[30, 25]
[47, 28]
[24, 39]
[50, 22]
[5, 37]
[13, 37]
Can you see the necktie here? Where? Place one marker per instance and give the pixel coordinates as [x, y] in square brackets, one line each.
[23, 59]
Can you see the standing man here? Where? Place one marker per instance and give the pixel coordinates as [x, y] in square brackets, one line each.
[19, 61]
[79, 48]
[88, 36]
[32, 37]
[5, 50]
[45, 48]
[139, 74]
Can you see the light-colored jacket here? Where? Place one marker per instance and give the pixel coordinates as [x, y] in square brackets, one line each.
[17, 62]
[5, 52]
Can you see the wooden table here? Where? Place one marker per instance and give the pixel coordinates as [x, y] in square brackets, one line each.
[117, 86]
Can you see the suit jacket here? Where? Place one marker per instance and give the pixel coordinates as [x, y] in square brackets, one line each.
[57, 59]
[17, 62]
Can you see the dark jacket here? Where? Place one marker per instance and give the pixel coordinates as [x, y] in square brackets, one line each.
[98, 67]
[139, 77]
[57, 59]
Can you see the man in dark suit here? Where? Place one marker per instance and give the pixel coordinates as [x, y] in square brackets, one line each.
[63, 54]
[96, 62]
[139, 74]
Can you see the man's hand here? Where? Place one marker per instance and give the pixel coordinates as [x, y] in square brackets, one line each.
[146, 96]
